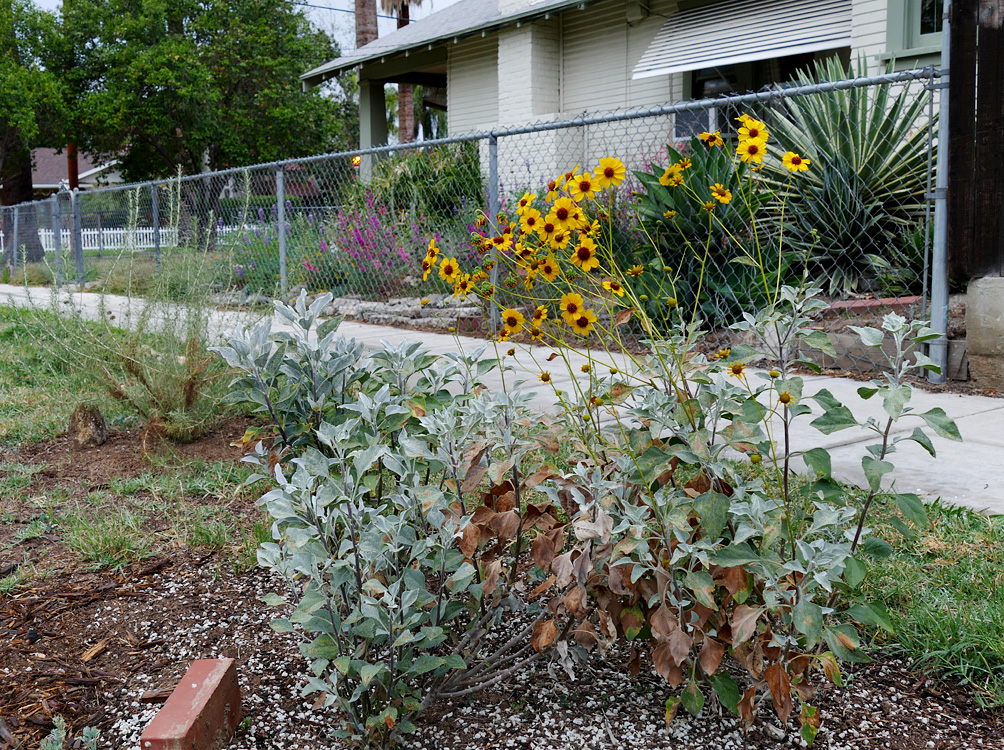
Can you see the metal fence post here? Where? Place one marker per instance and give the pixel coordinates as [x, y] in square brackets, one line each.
[76, 237]
[280, 197]
[155, 209]
[493, 212]
[101, 237]
[57, 239]
[17, 215]
[938, 349]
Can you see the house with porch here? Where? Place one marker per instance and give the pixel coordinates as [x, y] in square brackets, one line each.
[509, 62]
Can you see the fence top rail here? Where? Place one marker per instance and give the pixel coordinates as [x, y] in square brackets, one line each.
[927, 73]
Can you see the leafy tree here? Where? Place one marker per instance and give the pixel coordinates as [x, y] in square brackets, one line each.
[30, 105]
[198, 84]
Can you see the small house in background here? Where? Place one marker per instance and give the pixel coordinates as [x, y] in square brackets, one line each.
[50, 169]
[513, 62]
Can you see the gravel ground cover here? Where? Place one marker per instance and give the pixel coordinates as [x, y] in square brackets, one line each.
[141, 630]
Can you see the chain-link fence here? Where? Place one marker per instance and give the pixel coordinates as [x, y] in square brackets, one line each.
[358, 223]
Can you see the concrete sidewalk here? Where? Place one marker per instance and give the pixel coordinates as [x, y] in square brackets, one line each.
[970, 473]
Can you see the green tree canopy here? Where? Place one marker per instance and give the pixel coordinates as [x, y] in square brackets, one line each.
[198, 83]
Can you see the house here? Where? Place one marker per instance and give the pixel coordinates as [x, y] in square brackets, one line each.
[512, 62]
[49, 170]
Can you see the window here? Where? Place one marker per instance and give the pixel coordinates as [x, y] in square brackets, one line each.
[914, 30]
[931, 12]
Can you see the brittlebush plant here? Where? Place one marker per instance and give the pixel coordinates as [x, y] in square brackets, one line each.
[732, 572]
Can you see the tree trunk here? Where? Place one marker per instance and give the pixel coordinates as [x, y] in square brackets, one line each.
[405, 93]
[366, 22]
[16, 178]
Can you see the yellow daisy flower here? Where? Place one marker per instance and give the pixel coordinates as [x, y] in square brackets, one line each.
[536, 334]
[794, 162]
[736, 370]
[723, 353]
[512, 320]
[548, 228]
[636, 270]
[753, 130]
[610, 172]
[571, 306]
[448, 270]
[669, 214]
[582, 324]
[671, 178]
[708, 205]
[554, 189]
[561, 239]
[549, 268]
[526, 202]
[539, 315]
[582, 187]
[752, 150]
[433, 252]
[530, 220]
[586, 367]
[712, 139]
[614, 287]
[584, 254]
[502, 242]
[563, 212]
[427, 266]
[463, 285]
[685, 163]
[545, 377]
[424, 301]
[504, 336]
[720, 193]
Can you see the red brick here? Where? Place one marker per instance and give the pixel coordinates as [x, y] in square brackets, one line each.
[884, 304]
[202, 712]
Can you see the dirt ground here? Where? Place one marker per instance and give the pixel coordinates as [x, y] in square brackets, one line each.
[104, 649]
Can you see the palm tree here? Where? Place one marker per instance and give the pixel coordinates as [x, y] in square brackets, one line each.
[405, 95]
[366, 22]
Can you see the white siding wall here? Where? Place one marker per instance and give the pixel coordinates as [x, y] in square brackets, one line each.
[472, 86]
[869, 21]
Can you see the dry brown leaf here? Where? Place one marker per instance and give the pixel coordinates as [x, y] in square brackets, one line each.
[585, 635]
[711, 656]
[623, 316]
[607, 626]
[561, 566]
[547, 583]
[473, 478]
[575, 602]
[542, 551]
[747, 706]
[679, 645]
[505, 525]
[744, 623]
[492, 577]
[779, 685]
[545, 632]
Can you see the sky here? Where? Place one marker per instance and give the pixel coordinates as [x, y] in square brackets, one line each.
[330, 16]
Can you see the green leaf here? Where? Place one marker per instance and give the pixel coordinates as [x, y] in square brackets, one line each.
[869, 336]
[735, 554]
[808, 619]
[273, 600]
[672, 706]
[912, 508]
[844, 642]
[820, 340]
[342, 664]
[834, 419]
[894, 399]
[874, 614]
[693, 699]
[727, 691]
[281, 625]
[854, 572]
[920, 437]
[713, 508]
[874, 471]
[941, 423]
[426, 663]
[818, 459]
[866, 393]
[322, 647]
[877, 547]
[368, 672]
[702, 585]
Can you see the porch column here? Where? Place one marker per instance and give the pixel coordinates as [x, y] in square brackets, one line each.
[372, 122]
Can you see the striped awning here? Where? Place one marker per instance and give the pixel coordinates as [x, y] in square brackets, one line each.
[738, 31]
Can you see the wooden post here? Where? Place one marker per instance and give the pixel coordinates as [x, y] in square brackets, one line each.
[961, 155]
[988, 187]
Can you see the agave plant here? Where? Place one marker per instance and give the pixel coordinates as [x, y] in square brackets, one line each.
[855, 210]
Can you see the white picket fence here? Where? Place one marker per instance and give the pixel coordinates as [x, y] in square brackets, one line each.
[142, 238]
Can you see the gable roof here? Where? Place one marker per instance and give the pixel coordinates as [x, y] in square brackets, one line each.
[49, 167]
[459, 20]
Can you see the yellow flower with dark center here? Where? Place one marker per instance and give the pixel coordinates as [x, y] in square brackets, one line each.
[571, 306]
[775, 373]
[685, 163]
[511, 351]
[424, 301]
[553, 189]
[736, 370]
[743, 118]
[530, 220]
[614, 287]
[433, 252]
[463, 285]
[548, 228]
[709, 205]
[549, 268]
[448, 270]
[427, 267]
[712, 139]
[752, 150]
[674, 179]
[584, 254]
[512, 320]
[480, 223]
[673, 170]
[586, 367]
[757, 168]
[595, 401]
[503, 336]
[478, 277]
[594, 228]
[502, 242]
[721, 193]
[582, 324]
[610, 172]
[794, 162]
[723, 353]
[536, 334]
[545, 377]
[583, 187]
[753, 130]
[525, 202]
[539, 315]
[784, 397]
[561, 239]
[636, 270]
[669, 214]
[563, 212]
